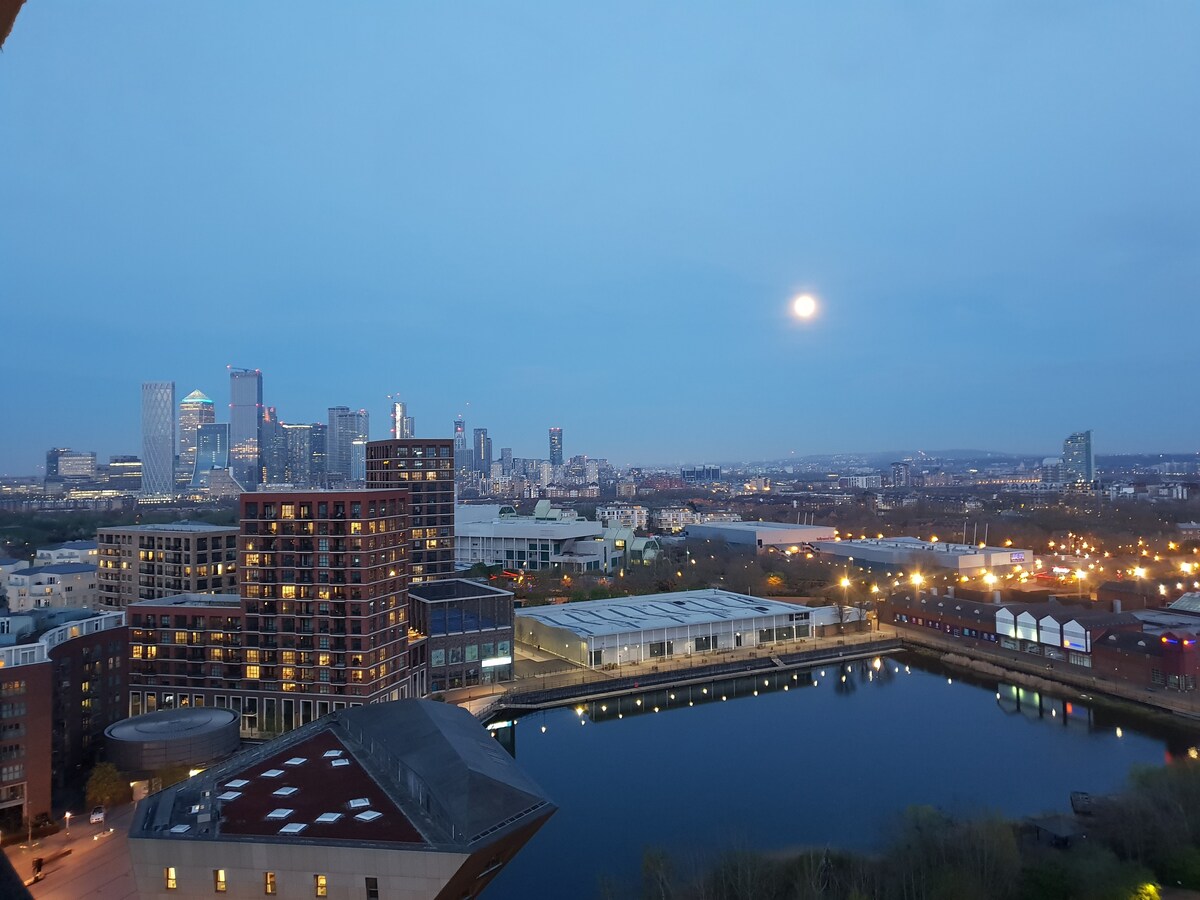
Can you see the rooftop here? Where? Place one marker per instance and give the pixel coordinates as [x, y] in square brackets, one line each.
[763, 526]
[453, 589]
[916, 545]
[183, 527]
[207, 601]
[71, 545]
[677, 609]
[409, 772]
[58, 569]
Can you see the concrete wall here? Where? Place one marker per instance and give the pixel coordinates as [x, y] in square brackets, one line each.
[402, 874]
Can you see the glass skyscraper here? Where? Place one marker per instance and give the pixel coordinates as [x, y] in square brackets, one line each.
[212, 451]
[195, 410]
[158, 439]
[245, 426]
[556, 450]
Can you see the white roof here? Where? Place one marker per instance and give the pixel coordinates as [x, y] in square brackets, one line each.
[674, 610]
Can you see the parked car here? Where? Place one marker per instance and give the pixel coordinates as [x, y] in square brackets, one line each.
[97, 816]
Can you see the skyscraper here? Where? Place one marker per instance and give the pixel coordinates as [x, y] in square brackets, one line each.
[158, 439]
[274, 448]
[298, 455]
[462, 459]
[556, 447]
[402, 422]
[212, 451]
[1079, 463]
[426, 469]
[318, 440]
[245, 426]
[481, 458]
[345, 427]
[194, 410]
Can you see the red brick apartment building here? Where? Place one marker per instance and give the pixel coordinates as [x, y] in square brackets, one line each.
[62, 682]
[322, 621]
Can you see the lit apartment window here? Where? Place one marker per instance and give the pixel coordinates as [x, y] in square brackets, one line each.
[252, 671]
[219, 881]
[169, 878]
[269, 887]
[321, 885]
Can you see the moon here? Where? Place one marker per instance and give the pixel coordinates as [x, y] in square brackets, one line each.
[804, 306]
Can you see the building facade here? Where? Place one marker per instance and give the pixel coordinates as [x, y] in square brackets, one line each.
[426, 469]
[195, 409]
[158, 439]
[470, 628]
[212, 451]
[144, 562]
[556, 447]
[1078, 459]
[62, 682]
[322, 620]
[53, 586]
[245, 426]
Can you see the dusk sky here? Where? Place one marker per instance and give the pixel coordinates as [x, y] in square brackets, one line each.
[596, 215]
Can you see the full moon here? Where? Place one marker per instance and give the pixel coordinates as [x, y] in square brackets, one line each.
[804, 306]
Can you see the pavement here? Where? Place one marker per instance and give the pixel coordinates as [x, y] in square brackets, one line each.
[98, 866]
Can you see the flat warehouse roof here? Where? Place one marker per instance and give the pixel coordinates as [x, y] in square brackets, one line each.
[681, 608]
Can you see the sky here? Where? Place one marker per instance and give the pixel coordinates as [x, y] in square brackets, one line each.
[595, 216]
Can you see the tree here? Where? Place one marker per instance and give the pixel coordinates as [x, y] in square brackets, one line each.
[106, 786]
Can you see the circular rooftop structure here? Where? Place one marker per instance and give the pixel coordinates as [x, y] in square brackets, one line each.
[192, 737]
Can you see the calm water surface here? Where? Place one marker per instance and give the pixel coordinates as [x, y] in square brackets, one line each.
[813, 765]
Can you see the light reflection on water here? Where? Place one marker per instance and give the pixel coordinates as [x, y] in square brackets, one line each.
[826, 756]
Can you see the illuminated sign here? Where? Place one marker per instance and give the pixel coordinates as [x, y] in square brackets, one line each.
[1016, 557]
[496, 661]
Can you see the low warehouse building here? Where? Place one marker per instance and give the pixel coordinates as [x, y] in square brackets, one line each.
[761, 535]
[633, 629]
[904, 552]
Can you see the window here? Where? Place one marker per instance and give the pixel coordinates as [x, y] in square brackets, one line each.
[169, 878]
[320, 886]
[372, 888]
[269, 887]
[219, 884]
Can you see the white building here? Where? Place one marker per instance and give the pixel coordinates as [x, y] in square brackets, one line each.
[965, 559]
[634, 629]
[625, 516]
[550, 539]
[7, 567]
[761, 535]
[676, 518]
[56, 586]
[71, 552]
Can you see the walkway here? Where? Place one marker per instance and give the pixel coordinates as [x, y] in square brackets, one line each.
[98, 866]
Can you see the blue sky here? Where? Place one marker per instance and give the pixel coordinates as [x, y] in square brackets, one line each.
[594, 216]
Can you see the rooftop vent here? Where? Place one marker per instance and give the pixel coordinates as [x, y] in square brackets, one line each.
[328, 818]
[272, 773]
[229, 795]
[295, 761]
[330, 754]
[276, 814]
[180, 829]
[293, 828]
[285, 791]
[359, 803]
[341, 762]
[369, 816]
[237, 783]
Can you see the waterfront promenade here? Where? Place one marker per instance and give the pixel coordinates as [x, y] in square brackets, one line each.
[544, 680]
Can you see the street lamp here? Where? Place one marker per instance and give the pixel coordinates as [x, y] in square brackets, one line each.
[1079, 576]
[918, 579]
[68, 818]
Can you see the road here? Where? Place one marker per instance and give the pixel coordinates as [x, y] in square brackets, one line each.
[98, 867]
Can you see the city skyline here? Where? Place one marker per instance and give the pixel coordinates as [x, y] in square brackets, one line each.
[985, 218]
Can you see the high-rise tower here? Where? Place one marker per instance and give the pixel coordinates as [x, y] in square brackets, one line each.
[556, 447]
[245, 426]
[158, 439]
[345, 427]
[481, 458]
[1079, 462]
[402, 422]
[462, 459]
[212, 451]
[195, 410]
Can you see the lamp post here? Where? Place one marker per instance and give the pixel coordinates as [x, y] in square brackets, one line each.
[68, 818]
